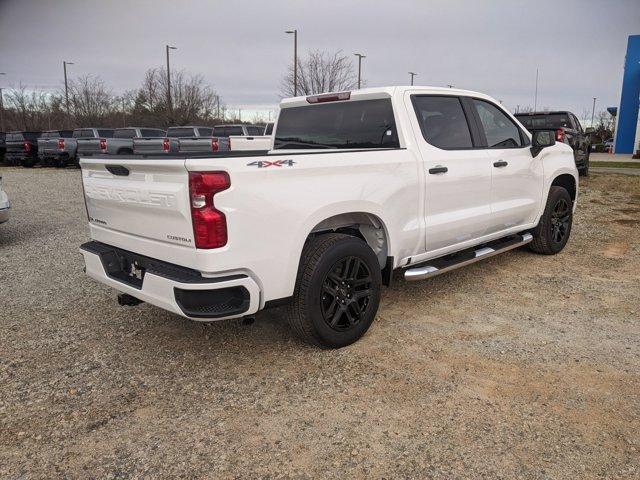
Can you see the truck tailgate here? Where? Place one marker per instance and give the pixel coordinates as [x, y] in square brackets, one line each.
[141, 197]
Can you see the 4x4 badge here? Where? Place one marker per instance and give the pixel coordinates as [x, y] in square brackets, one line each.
[267, 164]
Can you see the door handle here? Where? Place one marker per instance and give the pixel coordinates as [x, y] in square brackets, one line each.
[438, 169]
[500, 164]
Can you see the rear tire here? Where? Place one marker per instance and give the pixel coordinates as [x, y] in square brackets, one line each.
[337, 291]
[554, 229]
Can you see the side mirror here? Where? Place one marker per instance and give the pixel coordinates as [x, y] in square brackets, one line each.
[542, 139]
[589, 130]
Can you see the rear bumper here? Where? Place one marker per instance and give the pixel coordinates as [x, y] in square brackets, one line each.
[174, 288]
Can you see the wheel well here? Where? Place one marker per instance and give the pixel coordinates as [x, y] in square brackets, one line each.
[567, 182]
[365, 226]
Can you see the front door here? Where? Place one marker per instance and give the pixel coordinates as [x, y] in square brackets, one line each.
[517, 177]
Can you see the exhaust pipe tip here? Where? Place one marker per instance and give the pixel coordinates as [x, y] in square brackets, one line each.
[126, 300]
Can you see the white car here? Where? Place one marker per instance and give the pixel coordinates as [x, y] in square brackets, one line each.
[357, 185]
[5, 204]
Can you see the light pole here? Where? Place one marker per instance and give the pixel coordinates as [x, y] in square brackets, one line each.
[360, 57]
[169, 103]
[593, 111]
[535, 98]
[66, 85]
[1, 108]
[295, 61]
[412, 75]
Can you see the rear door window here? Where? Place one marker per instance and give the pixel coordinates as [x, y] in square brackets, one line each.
[124, 133]
[346, 125]
[499, 129]
[442, 121]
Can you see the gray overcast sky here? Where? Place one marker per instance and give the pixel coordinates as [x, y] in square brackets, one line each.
[241, 49]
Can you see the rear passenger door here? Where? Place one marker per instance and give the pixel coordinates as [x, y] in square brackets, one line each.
[457, 171]
[517, 177]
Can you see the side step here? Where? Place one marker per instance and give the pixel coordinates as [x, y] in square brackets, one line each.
[436, 266]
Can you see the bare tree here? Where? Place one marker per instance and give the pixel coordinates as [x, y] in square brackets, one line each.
[29, 109]
[321, 72]
[92, 103]
[191, 98]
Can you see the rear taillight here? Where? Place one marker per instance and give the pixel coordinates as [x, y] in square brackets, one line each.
[27, 146]
[560, 135]
[61, 144]
[209, 224]
[215, 146]
[165, 145]
[103, 144]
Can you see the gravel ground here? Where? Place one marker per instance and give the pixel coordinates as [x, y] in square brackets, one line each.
[523, 366]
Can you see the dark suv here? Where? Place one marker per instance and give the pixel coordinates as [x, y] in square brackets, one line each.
[3, 146]
[568, 130]
[22, 148]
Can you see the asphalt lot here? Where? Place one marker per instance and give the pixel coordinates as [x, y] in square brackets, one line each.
[523, 366]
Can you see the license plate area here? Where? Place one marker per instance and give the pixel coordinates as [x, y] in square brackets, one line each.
[125, 268]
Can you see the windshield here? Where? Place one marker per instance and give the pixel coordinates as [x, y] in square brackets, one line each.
[354, 124]
[552, 120]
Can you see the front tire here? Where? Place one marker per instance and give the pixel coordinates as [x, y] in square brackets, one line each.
[337, 291]
[554, 229]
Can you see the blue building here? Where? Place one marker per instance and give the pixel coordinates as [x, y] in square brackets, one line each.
[628, 127]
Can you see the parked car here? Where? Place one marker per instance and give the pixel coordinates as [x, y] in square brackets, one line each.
[169, 144]
[568, 130]
[243, 137]
[5, 204]
[608, 144]
[22, 148]
[91, 140]
[54, 148]
[357, 185]
[121, 143]
[3, 146]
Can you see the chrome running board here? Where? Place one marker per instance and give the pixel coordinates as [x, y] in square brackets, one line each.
[436, 266]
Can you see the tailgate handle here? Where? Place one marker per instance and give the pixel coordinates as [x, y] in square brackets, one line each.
[117, 170]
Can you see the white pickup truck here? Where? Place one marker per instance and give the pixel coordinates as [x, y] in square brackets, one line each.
[357, 185]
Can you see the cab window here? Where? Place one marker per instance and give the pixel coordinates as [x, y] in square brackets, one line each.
[499, 129]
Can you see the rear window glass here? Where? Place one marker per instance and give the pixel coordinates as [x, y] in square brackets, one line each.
[83, 133]
[205, 132]
[219, 131]
[14, 137]
[554, 120]
[234, 131]
[255, 131]
[124, 133]
[359, 124]
[180, 132]
[105, 132]
[152, 133]
[49, 135]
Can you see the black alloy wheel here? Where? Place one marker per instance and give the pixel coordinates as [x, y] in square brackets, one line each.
[346, 294]
[560, 218]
